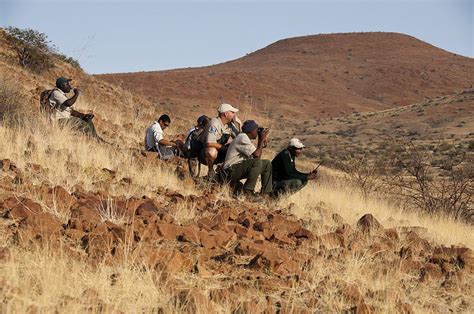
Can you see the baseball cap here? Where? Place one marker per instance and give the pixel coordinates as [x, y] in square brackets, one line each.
[61, 80]
[249, 126]
[294, 142]
[226, 107]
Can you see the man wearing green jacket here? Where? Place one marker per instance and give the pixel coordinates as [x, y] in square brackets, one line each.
[286, 179]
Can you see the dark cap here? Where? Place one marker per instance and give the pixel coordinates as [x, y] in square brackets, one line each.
[249, 126]
[61, 80]
[202, 118]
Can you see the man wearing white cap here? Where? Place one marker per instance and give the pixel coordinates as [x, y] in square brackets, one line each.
[217, 134]
[286, 179]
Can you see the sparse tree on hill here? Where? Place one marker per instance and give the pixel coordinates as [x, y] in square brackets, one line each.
[32, 48]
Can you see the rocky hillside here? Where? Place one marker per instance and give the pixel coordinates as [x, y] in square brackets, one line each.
[107, 228]
[311, 77]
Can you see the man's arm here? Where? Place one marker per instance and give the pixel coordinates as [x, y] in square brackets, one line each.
[71, 101]
[167, 143]
[290, 170]
[262, 138]
[77, 114]
[215, 145]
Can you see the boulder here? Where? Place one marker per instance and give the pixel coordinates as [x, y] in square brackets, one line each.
[367, 224]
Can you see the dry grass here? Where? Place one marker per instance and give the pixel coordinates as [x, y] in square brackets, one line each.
[70, 159]
[334, 194]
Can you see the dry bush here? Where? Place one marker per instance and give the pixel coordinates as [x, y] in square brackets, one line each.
[407, 173]
[364, 174]
[14, 109]
[447, 190]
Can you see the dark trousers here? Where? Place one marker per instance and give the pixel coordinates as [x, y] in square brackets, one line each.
[290, 186]
[251, 169]
[78, 124]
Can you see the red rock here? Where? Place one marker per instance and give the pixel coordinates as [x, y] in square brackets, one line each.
[86, 213]
[431, 272]
[205, 223]
[43, 224]
[174, 232]
[147, 208]
[368, 224]
[302, 233]
[74, 234]
[240, 230]
[214, 239]
[21, 208]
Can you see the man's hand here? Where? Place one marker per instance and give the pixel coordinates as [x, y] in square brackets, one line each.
[313, 175]
[263, 135]
[76, 91]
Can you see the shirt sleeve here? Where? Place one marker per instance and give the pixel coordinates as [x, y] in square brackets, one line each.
[157, 135]
[211, 134]
[245, 147]
[58, 98]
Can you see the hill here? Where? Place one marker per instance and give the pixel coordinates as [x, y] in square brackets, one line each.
[89, 227]
[311, 77]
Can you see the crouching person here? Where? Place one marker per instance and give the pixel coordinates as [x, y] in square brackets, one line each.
[243, 160]
[286, 179]
[155, 141]
[63, 112]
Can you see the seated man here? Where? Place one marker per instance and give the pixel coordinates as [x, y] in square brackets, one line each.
[192, 146]
[202, 122]
[216, 135]
[63, 112]
[155, 141]
[243, 160]
[286, 179]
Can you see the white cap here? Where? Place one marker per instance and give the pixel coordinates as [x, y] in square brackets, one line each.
[294, 142]
[226, 107]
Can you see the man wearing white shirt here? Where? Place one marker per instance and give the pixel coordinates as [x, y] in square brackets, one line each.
[155, 141]
[243, 159]
[65, 114]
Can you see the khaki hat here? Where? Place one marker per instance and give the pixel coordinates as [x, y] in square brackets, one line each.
[294, 142]
[226, 107]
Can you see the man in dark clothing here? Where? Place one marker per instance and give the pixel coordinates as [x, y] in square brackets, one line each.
[286, 179]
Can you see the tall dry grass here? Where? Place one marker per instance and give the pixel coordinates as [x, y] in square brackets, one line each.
[334, 193]
[69, 159]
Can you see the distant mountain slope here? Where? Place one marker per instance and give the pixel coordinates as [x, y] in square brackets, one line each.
[312, 77]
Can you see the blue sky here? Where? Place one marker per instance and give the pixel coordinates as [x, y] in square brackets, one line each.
[124, 36]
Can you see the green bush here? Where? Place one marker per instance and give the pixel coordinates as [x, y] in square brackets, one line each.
[34, 51]
[32, 48]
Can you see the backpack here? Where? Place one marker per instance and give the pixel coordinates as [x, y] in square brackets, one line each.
[46, 105]
[192, 146]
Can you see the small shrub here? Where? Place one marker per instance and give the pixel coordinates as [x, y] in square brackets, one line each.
[34, 50]
[471, 146]
[69, 60]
